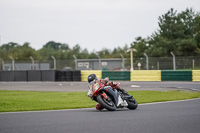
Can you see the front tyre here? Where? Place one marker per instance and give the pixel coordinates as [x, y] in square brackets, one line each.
[132, 103]
[106, 103]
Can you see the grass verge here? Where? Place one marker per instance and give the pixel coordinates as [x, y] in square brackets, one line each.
[12, 101]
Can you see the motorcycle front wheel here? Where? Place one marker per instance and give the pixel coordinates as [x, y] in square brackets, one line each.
[106, 103]
[132, 103]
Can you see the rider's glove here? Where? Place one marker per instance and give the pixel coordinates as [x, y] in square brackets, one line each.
[90, 94]
[114, 83]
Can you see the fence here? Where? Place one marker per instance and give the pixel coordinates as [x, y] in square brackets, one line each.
[154, 63]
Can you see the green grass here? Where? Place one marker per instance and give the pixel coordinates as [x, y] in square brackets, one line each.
[11, 101]
[161, 96]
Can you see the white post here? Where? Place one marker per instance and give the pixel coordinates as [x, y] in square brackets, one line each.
[131, 59]
[147, 61]
[54, 62]
[174, 61]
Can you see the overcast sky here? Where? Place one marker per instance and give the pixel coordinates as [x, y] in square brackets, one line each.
[93, 24]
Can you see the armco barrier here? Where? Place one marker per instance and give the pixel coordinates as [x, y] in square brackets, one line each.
[85, 73]
[170, 75]
[146, 75]
[195, 75]
[116, 75]
[20, 75]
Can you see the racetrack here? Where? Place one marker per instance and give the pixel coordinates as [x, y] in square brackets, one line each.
[173, 117]
[83, 86]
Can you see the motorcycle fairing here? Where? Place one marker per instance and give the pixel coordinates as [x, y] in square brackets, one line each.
[112, 93]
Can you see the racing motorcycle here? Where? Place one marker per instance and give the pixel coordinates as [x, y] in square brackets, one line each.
[111, 98]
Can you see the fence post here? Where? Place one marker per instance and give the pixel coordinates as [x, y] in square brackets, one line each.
[122, 61]
[174, 61]
[193, 63]
[13, 63]
[54, 62]
[33, 62]
[75, 62]
[2, 61]
[147, 61]
[158, 65]
[99, 61]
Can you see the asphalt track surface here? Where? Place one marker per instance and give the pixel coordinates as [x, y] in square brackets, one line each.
[83, 86]
[170, 117]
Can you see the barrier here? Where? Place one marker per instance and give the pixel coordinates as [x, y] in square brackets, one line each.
[116, 75]
[20, 75]
[85, 73]
[146, 75]
[169, 75]
[68, 75]
[34, 75]
[76, 76]
[48, 75]
[195, 75]
[64, 76]
[136, 75]
[7, 76]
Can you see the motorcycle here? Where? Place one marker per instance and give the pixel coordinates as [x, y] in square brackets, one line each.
[111, 98]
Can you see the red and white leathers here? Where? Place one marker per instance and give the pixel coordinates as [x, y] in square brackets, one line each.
[113, 84]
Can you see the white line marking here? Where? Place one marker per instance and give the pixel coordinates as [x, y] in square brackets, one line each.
[135, 86]
[193, 89]
[45, 111]
[170, 101]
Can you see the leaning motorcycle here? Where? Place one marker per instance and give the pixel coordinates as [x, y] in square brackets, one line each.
[111, 99]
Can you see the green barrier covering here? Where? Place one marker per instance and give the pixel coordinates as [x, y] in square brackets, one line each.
[116, 75]
[169, 75]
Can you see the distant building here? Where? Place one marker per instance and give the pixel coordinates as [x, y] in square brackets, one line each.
[102, 64]
[26, 66]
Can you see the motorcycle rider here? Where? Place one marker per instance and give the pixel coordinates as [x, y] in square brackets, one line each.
[92, 79]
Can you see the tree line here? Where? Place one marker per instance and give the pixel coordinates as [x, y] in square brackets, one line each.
[178, 32]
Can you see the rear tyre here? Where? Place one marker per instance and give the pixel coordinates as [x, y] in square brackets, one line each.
[132, 103]
[106, 103]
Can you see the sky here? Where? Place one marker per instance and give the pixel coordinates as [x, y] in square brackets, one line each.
[93, 24]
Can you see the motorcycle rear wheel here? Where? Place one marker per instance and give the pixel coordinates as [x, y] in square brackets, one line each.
[132, 104]
[108, 104]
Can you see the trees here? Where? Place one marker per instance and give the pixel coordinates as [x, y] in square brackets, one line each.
[141, 45]
[178, 32]
[18, 52]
